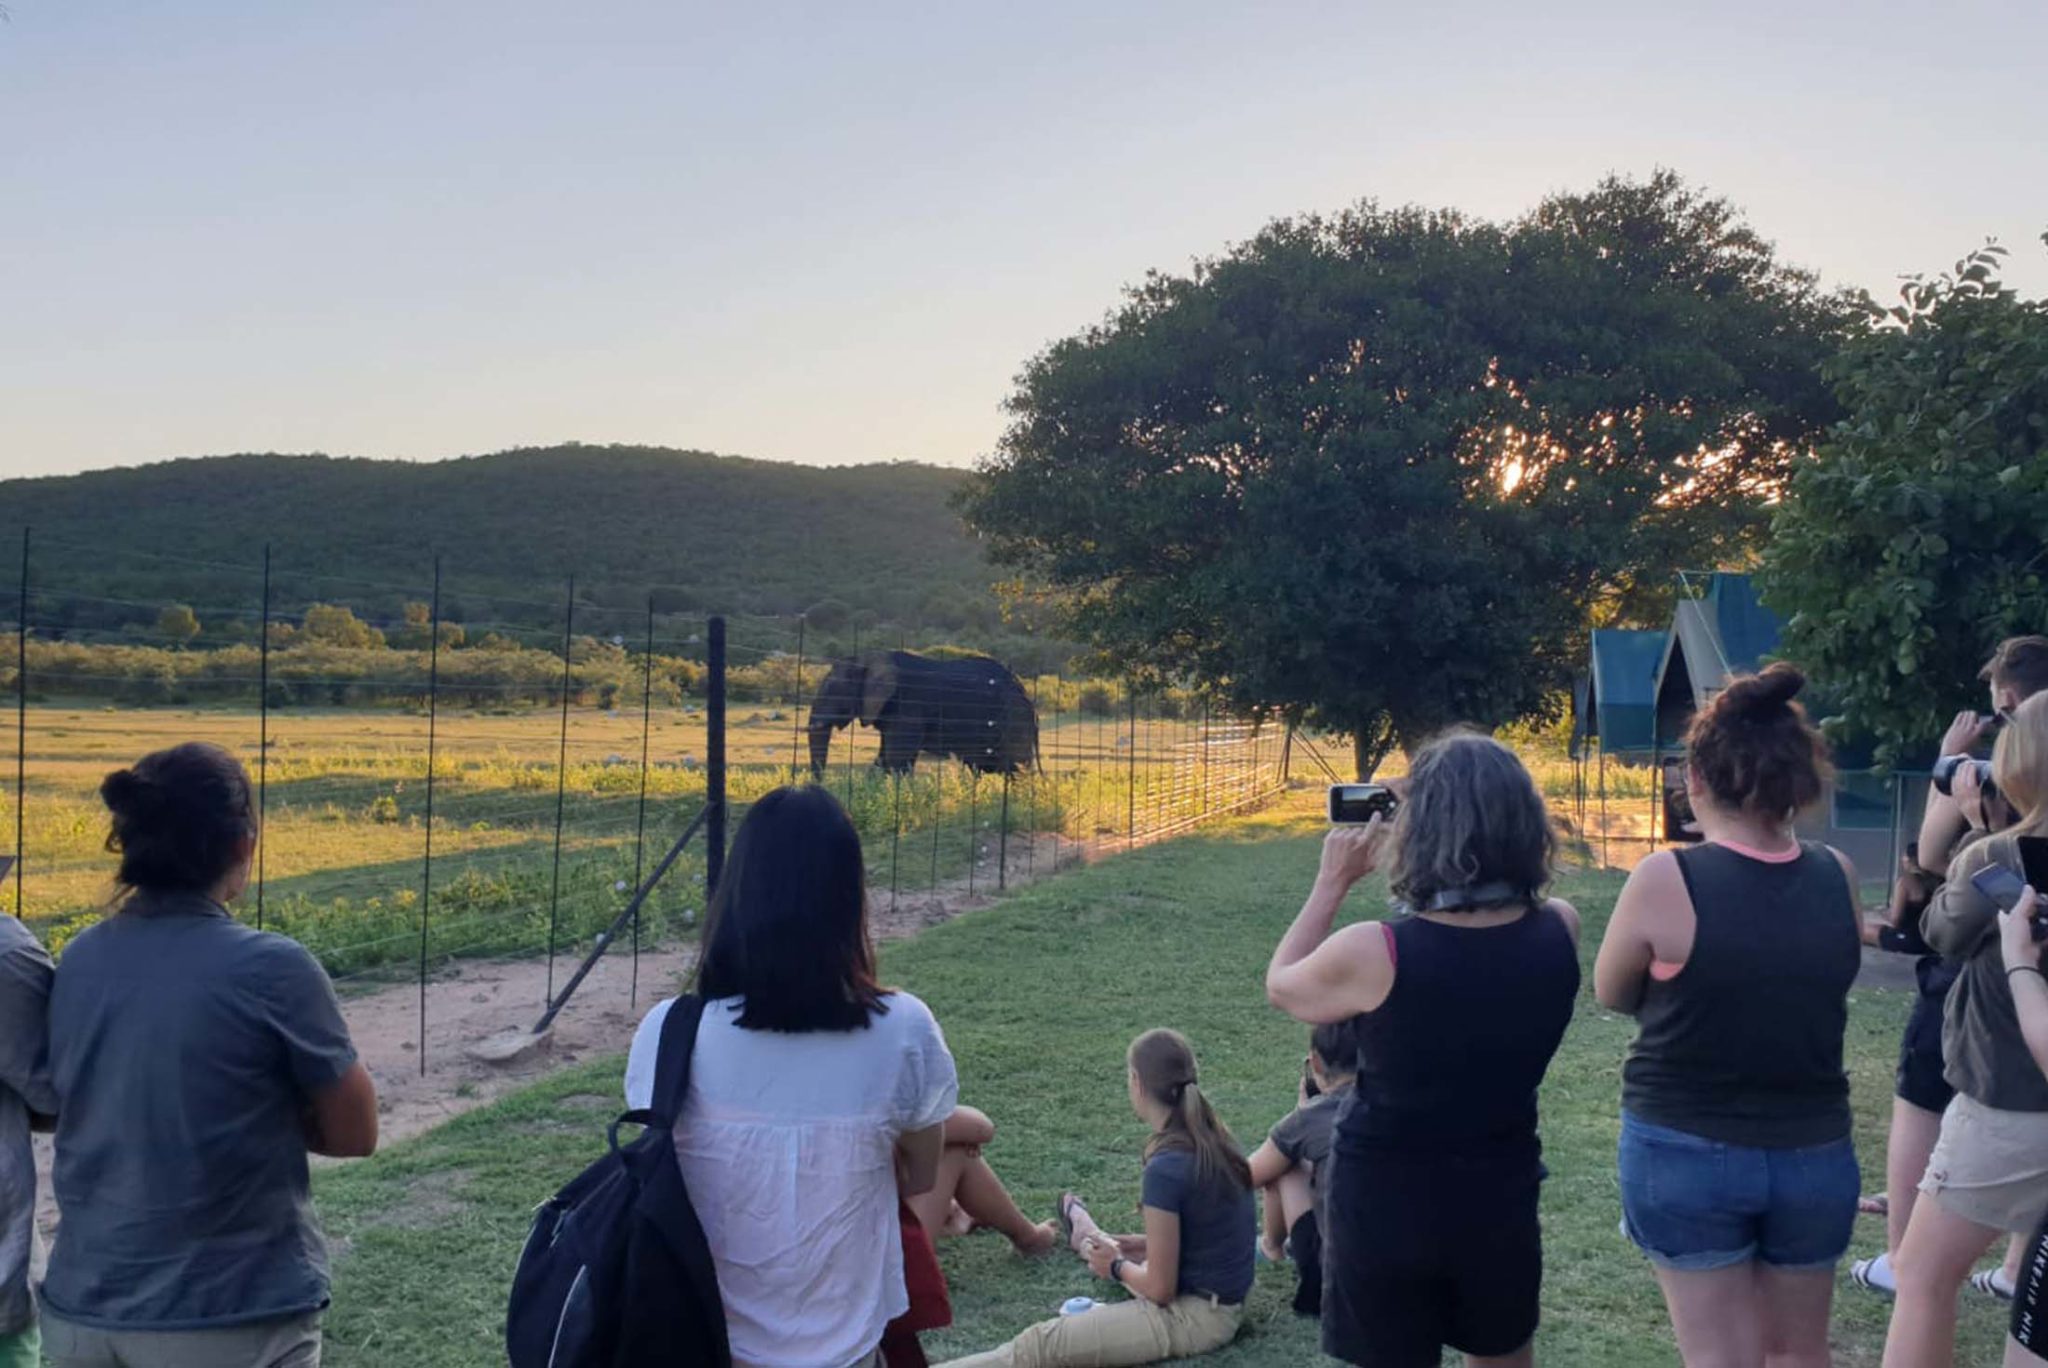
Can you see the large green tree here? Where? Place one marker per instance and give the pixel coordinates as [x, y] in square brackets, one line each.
[1917, 537]
[1373, 471]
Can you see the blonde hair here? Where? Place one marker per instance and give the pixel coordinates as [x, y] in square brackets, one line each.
[2019, 765]
[1164, 1063]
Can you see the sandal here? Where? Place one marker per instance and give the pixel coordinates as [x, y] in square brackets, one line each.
[1991, 1284]
[1876, 1205]
[1859, 1273]
[1068, 1201]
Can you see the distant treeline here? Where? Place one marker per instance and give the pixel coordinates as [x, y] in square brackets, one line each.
[318, 674]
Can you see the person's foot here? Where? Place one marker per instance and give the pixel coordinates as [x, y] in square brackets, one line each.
[1874, 1204]
[1045, 1238]
[1075, 1221]
[1992, 1283]
[1875, 1275]
[958, 1222]
[1274, 1252]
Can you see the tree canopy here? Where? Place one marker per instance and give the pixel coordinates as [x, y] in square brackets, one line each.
[1373, 471]
[1917, 537]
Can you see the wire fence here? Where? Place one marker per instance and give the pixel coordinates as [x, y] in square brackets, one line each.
[432, 790]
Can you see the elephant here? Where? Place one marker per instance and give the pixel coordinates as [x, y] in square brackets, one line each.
[968, 707]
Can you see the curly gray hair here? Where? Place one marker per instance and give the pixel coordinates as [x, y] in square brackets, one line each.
[1471, 816]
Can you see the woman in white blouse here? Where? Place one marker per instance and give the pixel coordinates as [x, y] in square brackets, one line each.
[816, 1095]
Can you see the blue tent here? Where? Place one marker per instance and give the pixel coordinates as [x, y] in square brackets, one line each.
[1617, 701]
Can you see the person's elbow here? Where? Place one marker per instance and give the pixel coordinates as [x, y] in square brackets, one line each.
[344, 1121]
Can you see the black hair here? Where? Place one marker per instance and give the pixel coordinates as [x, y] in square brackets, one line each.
[1754, 748]
[182, 819]
[1336, 1044]
[787, 931]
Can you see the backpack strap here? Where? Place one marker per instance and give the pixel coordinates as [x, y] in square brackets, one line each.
[672, 1056]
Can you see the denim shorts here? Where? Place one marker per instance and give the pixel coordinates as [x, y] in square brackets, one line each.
[1693, 1204]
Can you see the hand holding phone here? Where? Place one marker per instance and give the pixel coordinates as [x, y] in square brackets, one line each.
[2005, 890]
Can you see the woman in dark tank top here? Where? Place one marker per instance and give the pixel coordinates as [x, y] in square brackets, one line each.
[1431, 1237]
[1738, 1176]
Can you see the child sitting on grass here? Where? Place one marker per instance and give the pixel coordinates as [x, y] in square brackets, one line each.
[1291, 1169]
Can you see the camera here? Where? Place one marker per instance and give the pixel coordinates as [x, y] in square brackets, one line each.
[1357, 804]
[1947, 767]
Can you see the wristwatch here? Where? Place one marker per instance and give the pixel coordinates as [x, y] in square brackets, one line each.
[1116, 1269]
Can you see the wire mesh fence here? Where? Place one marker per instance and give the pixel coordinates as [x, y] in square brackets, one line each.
[499, 780]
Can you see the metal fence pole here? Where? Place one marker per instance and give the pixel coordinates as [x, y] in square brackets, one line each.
[714, 759]
[796, 707]
[262, 736]
[1603, 807]
[896, 841]
[427, 861]
[640, 818]
[1003, 841]
[1131, 776]
[561, 784]
[973, 834]
[21, 737]
[849, 729]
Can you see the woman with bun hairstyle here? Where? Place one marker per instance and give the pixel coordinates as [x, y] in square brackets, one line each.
[1989, 1170]
[1190, 1271]
[1738, 1175]
[197, 1062]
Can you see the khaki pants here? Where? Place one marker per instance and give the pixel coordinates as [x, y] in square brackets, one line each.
[292, 1343]
[1117, 1335]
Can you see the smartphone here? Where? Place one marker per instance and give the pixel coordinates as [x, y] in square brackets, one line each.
[1357, 804]
[2003, 887]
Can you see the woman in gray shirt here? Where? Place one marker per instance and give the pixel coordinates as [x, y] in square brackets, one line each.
[196, 1062]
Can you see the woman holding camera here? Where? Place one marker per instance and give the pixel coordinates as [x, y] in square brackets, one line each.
[1738, 1175]
[1989, 1170]
[1432, 1236]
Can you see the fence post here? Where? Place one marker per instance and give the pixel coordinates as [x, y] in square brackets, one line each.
[561, 784]
[850, 732]
[427, 862]
[714, 758]
[1131, 776]
[796, 706]
[973, 832]
[896, 841]
[1003, 841]
[262, 735]
[1603, 806]
[640, 820]
[21, 737]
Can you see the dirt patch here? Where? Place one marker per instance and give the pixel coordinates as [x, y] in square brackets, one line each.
[430, 1200]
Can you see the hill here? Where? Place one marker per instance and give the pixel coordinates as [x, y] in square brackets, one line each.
[863, 545]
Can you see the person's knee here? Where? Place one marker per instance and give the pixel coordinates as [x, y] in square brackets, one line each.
[1923, 1271]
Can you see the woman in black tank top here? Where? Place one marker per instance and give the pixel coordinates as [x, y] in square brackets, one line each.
[1738, 1177]
[1430, 1236]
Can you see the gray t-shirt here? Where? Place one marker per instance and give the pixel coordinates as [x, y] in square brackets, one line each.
[1218, 1224]
[186, 1049]
[24, 1087]
[1304, 1135]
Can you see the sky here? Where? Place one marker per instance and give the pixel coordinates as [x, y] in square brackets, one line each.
[832, 233]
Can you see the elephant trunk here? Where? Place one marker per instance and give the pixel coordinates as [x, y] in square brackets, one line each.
[821, 744]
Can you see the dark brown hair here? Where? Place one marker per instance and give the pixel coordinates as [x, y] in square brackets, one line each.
[2019, 664]
[1754, 749]
[787, 931]
[1471, 816]
[1165, 1065]
[181, 818]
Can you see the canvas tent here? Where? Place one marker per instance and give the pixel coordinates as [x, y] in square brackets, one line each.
[1616, 702]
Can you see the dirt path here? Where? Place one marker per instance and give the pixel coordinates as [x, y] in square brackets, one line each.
[476, 1000]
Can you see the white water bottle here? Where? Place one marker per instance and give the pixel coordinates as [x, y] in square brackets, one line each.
[1074, 1306]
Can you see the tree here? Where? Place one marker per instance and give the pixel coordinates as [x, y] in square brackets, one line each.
[1917, 537]
[1373, 471]
[177, 624]
[417, 631]
[332, 624]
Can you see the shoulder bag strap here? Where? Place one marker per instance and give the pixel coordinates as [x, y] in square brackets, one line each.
[672, 1056]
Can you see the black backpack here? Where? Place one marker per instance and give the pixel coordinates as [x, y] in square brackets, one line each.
[617, 1272]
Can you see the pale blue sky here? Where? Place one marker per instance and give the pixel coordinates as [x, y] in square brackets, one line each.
[831, 232]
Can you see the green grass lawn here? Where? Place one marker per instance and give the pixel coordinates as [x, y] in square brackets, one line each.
[1039, 996]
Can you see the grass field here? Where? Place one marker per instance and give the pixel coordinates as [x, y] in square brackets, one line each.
[345, 813]
[1039, 996]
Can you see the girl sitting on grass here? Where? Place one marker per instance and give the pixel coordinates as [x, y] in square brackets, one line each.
[1191, 1269]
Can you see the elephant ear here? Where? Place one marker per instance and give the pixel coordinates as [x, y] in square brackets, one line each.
[877, 691]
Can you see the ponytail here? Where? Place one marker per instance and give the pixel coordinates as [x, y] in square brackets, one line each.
[1165, 1065]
